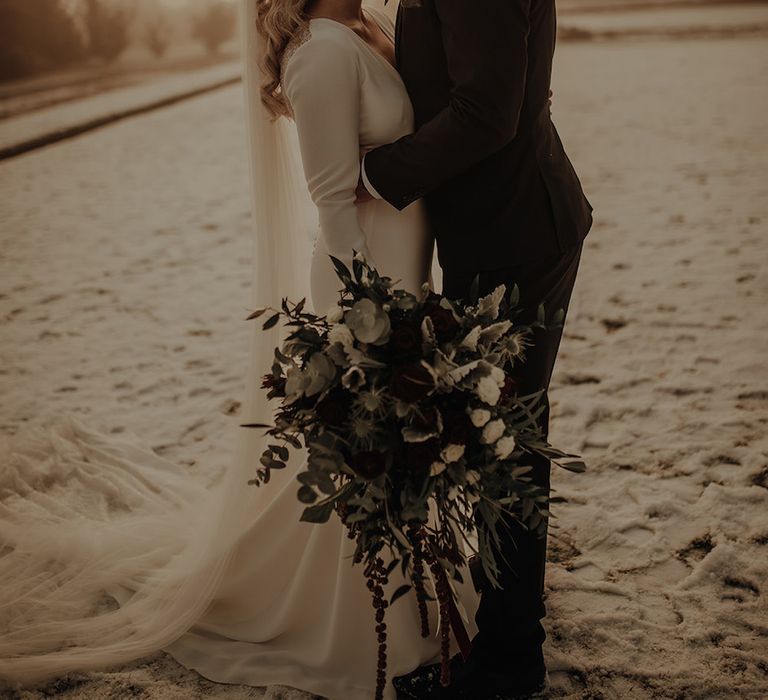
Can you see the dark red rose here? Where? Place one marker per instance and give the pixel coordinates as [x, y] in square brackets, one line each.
[334, 408]
[509, 390]
[406, 339]
[411, 383]
[445, 323]
[368, 465]
[457, 427]
[421, 455]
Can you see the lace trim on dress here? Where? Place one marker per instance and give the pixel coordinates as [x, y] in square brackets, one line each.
[301, 37]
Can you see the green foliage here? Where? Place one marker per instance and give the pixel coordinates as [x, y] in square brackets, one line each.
[404, 402]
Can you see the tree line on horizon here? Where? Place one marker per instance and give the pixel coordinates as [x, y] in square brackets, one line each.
[41, 36]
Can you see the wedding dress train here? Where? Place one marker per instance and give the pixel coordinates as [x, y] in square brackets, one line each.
[110, 552]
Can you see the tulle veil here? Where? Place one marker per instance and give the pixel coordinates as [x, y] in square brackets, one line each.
[109, 552]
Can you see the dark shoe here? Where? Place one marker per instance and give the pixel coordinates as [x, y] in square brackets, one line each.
[477, 679]
[425, 680]
[538, 692]
[480, 683]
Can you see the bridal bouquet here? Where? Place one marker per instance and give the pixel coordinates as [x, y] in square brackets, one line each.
[415, 434]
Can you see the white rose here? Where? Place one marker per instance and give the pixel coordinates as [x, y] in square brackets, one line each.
[505, 447]
[437, 468]
[335, 314]
[479, 417]
[488, 391]
[452, 453]
[493, 431]
[319, 372]
[368, 322]
[472, 477]
[339, 333]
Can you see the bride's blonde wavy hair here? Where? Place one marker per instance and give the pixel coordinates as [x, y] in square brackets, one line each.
[278, 22]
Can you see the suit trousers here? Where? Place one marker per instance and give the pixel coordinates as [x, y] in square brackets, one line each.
[509, 620]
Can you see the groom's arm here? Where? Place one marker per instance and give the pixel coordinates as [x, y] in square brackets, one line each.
[485, 47]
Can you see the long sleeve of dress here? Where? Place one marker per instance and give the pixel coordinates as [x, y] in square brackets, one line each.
[322, 85]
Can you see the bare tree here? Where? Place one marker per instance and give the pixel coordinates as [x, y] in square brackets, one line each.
[36, 37]
[107, 28]
[215, 25]
[157, 34]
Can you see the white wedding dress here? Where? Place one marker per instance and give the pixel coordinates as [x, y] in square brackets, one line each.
[346, 97]
[226, 579]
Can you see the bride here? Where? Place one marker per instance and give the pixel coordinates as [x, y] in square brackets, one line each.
[110, 552]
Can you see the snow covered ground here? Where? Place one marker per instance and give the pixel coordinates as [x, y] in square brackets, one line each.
[124, 275]
[106, 104]
[730, 16]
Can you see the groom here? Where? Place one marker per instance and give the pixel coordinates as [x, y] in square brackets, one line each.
[505, 204]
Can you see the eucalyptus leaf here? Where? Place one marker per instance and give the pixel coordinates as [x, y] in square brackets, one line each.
[325, 484]
[307, 495]
[257, 314]
[399, 593]
[318, 514]
[271, 322]
[576, 466]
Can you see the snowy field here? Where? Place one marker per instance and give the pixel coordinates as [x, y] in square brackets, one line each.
[124, 282]
[731, 16]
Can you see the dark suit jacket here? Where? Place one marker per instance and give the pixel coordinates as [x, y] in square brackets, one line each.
[486, 158]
